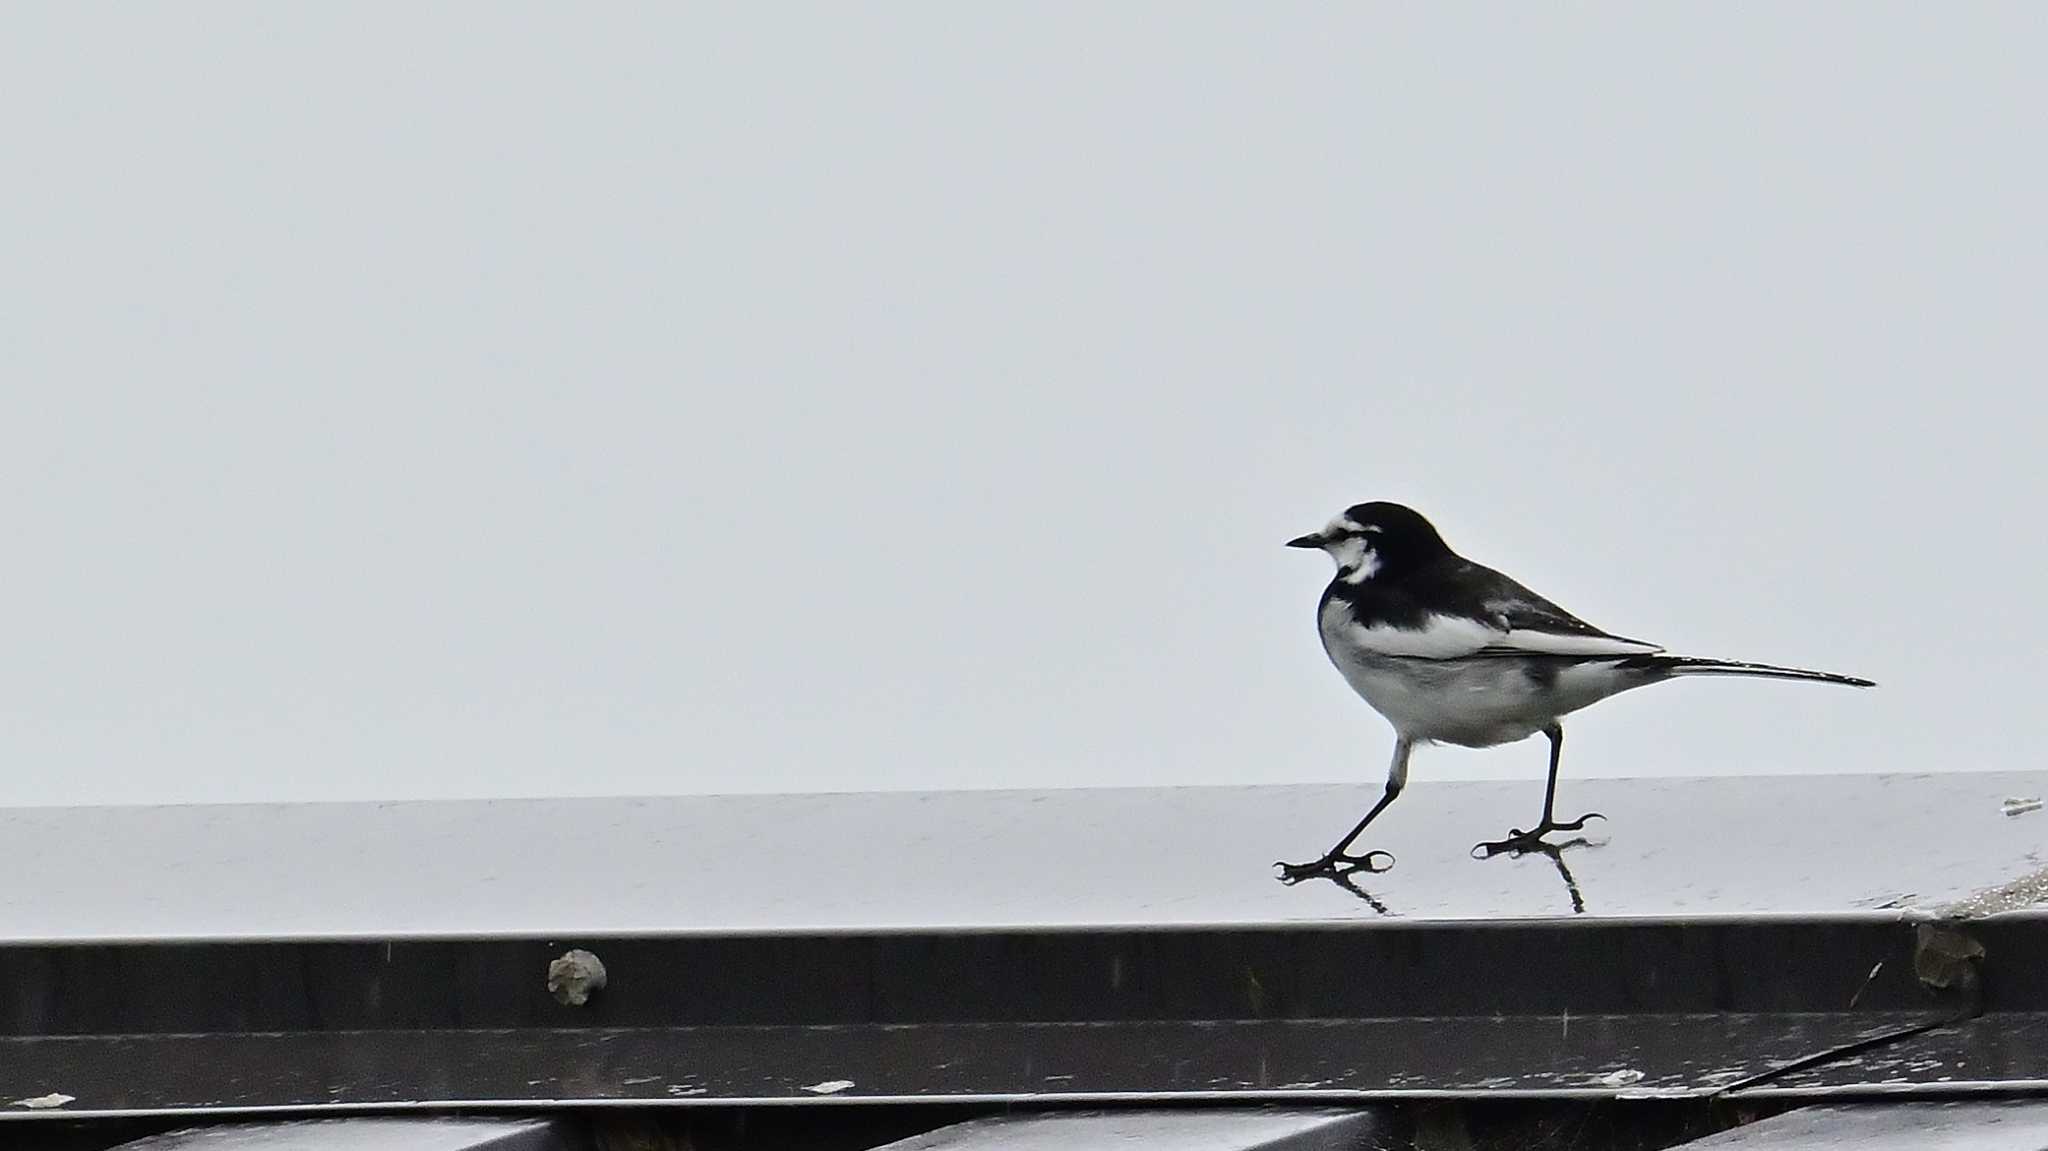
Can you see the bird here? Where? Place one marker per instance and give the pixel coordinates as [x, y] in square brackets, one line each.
[1451, 651]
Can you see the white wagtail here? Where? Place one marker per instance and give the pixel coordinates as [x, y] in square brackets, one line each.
[1450, 651]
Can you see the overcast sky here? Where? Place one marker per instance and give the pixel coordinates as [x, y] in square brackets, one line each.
[493, 399]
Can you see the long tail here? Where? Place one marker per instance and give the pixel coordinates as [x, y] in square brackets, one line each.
[1687, 665]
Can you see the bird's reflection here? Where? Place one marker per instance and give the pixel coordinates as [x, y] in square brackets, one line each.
[1347, 878]
[1344, 875]
[1555, 853]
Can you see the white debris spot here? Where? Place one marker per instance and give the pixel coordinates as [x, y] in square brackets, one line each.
[1621, 1078]
[829, 1087]
[46, 1102]
[2020, 804]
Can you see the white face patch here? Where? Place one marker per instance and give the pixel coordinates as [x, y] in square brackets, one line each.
[1356, 562]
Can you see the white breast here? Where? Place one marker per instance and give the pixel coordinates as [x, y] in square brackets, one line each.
[1472, 701]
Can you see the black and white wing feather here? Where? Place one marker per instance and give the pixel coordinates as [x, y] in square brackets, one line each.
[1476, 612]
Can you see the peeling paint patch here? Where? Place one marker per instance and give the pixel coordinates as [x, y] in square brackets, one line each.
[829, 1087]
[575, 977]
[2020, 804]
[46, 1102]
[1621, 1078]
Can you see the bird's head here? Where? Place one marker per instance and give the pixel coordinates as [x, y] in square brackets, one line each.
[1375, 539]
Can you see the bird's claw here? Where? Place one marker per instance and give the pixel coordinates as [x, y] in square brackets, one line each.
[1335, 864]
[1519, 842]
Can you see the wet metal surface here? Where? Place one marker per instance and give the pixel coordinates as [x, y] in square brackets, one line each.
[1743, 936]
[1740, 847]
[370, 1134]
[2002, 1052]
[1662, 1056]
[1249, 1129]
[2005, 1126]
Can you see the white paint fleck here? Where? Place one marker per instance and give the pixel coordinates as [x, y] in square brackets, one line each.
[1621, 1078]
[46, 1102]
[829, 1087]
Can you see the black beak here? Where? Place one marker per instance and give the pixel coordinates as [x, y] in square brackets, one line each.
[1311, 540]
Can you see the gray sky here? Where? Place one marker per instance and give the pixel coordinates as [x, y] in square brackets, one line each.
[510, 399]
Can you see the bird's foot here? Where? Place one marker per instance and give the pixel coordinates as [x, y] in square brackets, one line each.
[1519, 842]
[1335, 864]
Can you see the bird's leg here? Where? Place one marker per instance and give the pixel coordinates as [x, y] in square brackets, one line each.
[1397, 778]
[1520, 842]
